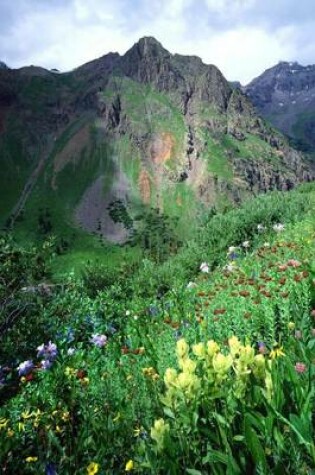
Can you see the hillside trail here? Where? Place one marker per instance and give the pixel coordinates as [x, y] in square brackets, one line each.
[29, 185]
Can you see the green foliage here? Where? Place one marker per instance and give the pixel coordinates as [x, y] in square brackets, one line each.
[153, 391]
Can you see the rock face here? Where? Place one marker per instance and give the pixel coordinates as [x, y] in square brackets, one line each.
[285, 95]
[170, 125]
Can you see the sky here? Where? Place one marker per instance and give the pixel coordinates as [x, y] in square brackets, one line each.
[241, 37]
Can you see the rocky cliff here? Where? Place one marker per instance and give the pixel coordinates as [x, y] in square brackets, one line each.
[285, 95]
[145, 129]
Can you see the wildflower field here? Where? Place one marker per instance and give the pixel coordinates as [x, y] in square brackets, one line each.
[203, 363]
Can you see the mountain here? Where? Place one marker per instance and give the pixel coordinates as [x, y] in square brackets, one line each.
[285, 95]
[97, 147]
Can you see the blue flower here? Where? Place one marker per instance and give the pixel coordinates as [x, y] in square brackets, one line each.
[25, 367]
[50, 469]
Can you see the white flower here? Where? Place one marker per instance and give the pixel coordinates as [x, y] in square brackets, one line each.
[191, 285]
[266, 244]
[261, 228]
[71, 351]
[278, 227]
[230, 267]
[204, 267]
[232, 249]
[246, 244]
[127, 313]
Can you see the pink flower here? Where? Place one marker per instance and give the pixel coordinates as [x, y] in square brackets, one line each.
[300, 367]
[294, 263]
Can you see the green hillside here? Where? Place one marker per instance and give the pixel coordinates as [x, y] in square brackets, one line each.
[160, 367]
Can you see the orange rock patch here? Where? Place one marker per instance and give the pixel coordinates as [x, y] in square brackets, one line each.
[161, 148]
[144, 184]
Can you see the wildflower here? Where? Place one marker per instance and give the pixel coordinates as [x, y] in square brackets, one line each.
[291, 325]
[293, 263]
[276, 352]
[266, 244]
[188, 365]
[278, 228]
[300, 367]
[71, 351]
[182, 348]
[204, 267]
[127, 313]
[191, 285]
[93, 468]
[50, 469]
[170, 376]
[49, 351]
[25, 367]
[261, 228]
[31, 459]
[45, 364]
[232, 249]
[129, 466]
[3, 423]
[298, 334]
[159, 431]
[212, 348]
[99, 340]
[199, 350]
[262, 348]
[230, 267]
[234, 345]
[246, 244]
[222, 363]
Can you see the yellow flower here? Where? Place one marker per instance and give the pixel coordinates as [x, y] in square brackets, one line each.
[10, 433]
[199, 350]
[3, 423]
[277, 352]
[170, 376]
[137, 432]
[222, 363]
[93, 468]
[188, 365]
[26, 415]
[291, 325]
[158, 432]
[182, 348]
[65, 416]
[21, 426]
[234, 345]
[31, 459]
[129, 466]
[212, 348]
[247, 354]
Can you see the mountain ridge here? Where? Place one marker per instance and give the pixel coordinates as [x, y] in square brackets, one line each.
[168, 128]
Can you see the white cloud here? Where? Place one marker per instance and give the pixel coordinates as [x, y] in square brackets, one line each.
[241, 37]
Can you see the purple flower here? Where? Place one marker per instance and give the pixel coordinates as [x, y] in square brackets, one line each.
[25, 367]
[49, 351]
[45, 364]
[40, 350]
[99, 340]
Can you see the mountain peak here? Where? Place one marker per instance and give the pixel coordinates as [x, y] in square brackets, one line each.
[147, 46]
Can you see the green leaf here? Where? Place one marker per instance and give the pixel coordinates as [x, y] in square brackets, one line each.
[168, 412]
[254, 445]
[192, 471]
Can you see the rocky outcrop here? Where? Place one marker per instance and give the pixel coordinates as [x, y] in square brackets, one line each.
[285, 95]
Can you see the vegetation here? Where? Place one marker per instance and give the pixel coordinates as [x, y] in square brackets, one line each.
[196, 360]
